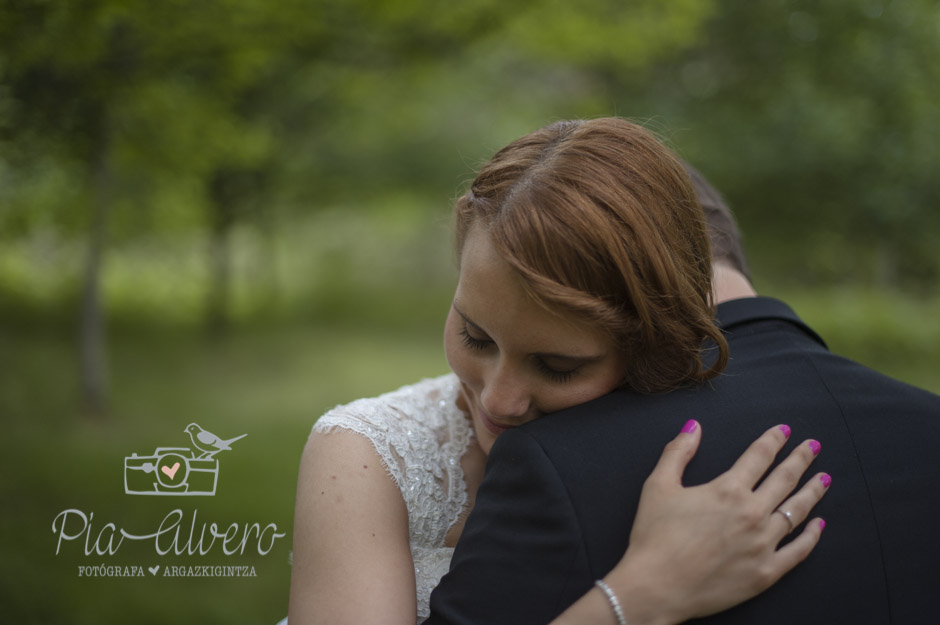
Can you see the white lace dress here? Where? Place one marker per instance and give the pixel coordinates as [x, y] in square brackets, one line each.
[421, 435]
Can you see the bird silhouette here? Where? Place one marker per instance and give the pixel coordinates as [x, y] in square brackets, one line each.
[207, 442]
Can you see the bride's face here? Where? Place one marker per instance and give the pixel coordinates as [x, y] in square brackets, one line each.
[517, 361]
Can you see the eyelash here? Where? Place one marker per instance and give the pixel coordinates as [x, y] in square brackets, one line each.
[554, 375]
[471, 342]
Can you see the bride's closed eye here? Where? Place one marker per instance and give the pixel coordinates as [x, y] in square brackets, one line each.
[555, 375]
[473, 342]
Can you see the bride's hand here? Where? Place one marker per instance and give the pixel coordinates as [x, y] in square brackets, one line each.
[699, 550]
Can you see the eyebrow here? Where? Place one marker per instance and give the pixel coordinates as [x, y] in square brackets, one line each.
[466, 318]
[543, 355]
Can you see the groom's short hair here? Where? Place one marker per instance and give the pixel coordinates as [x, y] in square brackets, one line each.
[723, 232]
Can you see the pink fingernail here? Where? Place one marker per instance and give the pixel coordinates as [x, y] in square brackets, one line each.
[689, 426]
[822, 525]
[815, 447]
[825, 479]
[786, 430]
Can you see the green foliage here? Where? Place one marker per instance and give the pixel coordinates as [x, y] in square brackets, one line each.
[884, 329]
[619, 37]
[162, 90]
[817, 121]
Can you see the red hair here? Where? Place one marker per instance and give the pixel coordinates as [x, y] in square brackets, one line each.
[602, 223]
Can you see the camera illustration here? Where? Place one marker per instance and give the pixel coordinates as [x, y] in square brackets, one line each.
[170, 471]
[177, 470]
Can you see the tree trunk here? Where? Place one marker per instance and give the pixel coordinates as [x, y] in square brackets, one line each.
[92, 336]
[221, 219]
[886, 265]
[268, 272]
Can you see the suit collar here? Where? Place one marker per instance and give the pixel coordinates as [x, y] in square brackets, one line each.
[746, 310]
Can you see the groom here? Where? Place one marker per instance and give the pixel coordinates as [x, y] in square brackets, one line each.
[555, 508]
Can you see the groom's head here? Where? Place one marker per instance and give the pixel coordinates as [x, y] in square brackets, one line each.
[723, 233]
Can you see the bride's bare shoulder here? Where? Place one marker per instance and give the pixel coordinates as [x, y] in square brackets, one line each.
[350, 532]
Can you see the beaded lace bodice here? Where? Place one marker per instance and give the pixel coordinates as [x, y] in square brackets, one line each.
[420, 435]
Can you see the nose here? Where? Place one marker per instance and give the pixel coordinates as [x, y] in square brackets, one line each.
[505, 393]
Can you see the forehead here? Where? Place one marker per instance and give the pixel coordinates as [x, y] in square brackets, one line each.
[492, 296]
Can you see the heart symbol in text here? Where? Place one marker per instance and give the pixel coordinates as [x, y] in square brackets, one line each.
[171, 472]
[153, 569]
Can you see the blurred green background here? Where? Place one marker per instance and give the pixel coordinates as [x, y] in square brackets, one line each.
[236, 212]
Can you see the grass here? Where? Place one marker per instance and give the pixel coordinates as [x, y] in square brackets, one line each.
[269, 381]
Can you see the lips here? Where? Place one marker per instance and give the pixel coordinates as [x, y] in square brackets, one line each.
[491, 426]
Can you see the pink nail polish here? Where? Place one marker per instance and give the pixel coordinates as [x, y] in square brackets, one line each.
[689, 426]
[786, 430]
[825, 479]
[822, 525]
[815, 447]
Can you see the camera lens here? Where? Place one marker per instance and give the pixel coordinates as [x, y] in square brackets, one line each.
[172, 470]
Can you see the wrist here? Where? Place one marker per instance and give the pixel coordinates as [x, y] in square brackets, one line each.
[642, 600]
[613, 601]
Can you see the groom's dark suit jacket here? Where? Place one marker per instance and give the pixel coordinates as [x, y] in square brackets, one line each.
[555, 508]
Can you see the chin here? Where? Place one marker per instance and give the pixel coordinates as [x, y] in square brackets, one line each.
[484, 439]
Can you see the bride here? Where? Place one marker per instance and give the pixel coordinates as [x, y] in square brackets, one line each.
[386, 483]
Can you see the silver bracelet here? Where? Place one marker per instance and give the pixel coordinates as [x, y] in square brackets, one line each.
[612, 599]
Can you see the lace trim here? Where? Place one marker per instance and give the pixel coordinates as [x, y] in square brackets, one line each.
[430, 566]
[420, 436]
